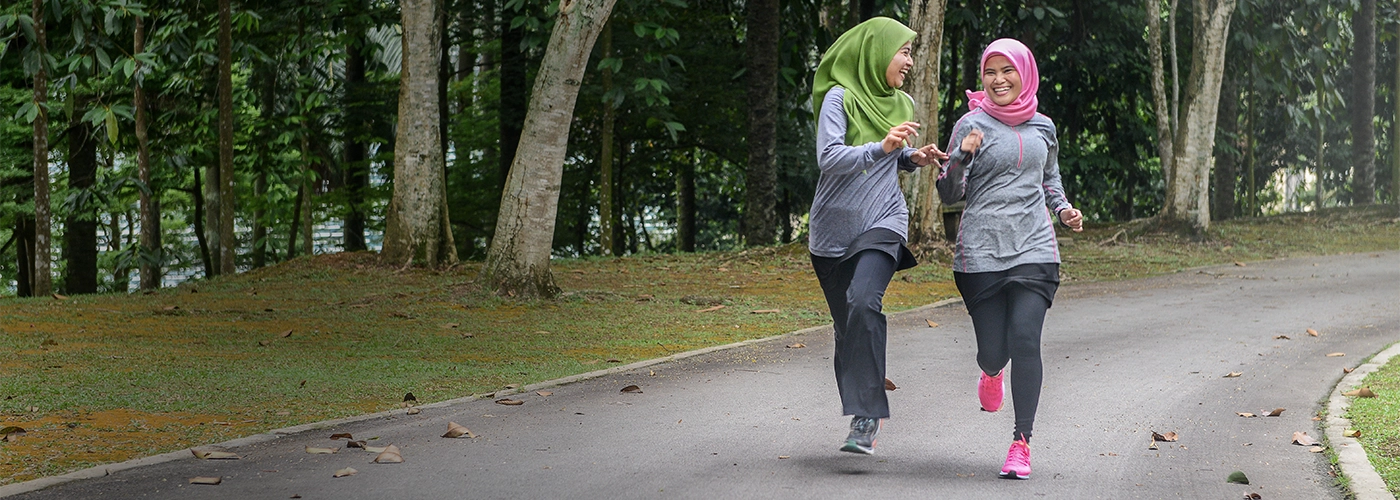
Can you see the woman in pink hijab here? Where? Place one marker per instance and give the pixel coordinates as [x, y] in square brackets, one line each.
[1005, 162]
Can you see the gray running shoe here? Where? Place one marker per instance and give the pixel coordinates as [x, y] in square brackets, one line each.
[862, 437]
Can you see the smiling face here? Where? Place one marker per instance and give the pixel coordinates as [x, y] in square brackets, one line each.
[899, 66]
[1001, 81]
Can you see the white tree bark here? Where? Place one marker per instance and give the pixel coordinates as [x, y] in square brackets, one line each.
[518, 262]
[417, 227]
[1188, 203]
[925, 209]
[1159, 91]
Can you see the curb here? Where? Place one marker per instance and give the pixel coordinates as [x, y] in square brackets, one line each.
[108, 469]
[1366, 484]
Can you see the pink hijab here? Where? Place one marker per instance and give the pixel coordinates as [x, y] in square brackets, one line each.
[1023, 108]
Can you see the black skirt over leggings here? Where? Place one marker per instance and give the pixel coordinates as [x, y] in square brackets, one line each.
[1008, 312]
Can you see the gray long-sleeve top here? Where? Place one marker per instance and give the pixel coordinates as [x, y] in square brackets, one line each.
[1013, 191]
[859, 185]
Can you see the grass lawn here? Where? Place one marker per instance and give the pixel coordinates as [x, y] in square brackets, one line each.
[1378, 419]
[104, 378]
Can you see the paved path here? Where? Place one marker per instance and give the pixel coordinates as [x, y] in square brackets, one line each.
[762, 421]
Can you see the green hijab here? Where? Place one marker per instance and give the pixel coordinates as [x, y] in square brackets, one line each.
[857, 62]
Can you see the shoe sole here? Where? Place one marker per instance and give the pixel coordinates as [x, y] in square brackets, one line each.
[852, 447]
[1013, 475]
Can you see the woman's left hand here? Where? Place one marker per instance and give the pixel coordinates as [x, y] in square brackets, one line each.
[1073, 218]
[927, 155]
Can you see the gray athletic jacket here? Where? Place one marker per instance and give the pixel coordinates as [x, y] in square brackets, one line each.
[859, 185]
[1008, 182]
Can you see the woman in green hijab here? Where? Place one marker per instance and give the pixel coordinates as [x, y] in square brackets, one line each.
[859, 220]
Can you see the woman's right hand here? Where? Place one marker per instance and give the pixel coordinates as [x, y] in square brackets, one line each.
[899, 135]
[972, 141]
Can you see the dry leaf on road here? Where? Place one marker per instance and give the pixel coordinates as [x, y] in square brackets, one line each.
[1273, 413]
[345, 472]
[632, 388]
[1282, 337]
[342, 435]
[214, 455]
[314, 450]
[509, 402]
[1336, 354]
[1169, 437]
[1302, 438]
[931, 324]
[889, 385]
[798, 345]
[1312, 332]
[390, 455]
[455, 430]
[1232, 374]
[206, 480]
[1245, 414]
[544, 394]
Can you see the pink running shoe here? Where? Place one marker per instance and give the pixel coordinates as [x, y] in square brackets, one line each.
[1018, 461]
[989, 391]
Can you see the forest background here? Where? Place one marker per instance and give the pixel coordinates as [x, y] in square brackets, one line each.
[692, 129]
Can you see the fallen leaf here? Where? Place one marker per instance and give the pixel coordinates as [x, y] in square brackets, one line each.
[1252, 496]
[798, 345]
[12, 433]
[889, 385]
[1232, 374]
[1302, 438]
[764, 311]
[1364, 392]
[1352, 433]
[206, 480]
[409, 397]
[783, 457]
[1347, 370]
[376, 449]
[1336, 355]
[451, 325]
[544, 394]
[1312, 332]
[1152, 446]
[390, 455]
[170, 308]
[632, 388]
[1246, 415]
[345, 472]
[413, 411]
[342, 435]
[286, 334]
[614, 360]
[1274, 413]
[1282, 337]
[1240, 264]
[1317, 449]
[355, 444]
[931, 324]
[509, 402]
[264, 343]
[1169, 437]
[214, 455]
[1237, 477]
[455, 430]
[711, 309]
[60, 297]
[321, 451]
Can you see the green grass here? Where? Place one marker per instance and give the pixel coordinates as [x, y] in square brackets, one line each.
[1378, 419]
[104, 378]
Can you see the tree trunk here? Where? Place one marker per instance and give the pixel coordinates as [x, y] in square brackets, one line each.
[80, 225]
[1363, 104]
[1176, 60]
[227, 242]
[925, 208]
[761, 176]
[121, 276]
[151, 254]
[518, 262]
[1226, 151]
[356, 166]
[417, 226]
[685, 204]
[42, 277]
[296, 222]
[1165, 122]
[605, 159]
[1395, 136]
[201, 234]
[1188, 206]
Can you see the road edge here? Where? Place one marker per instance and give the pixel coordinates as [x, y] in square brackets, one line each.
[1365, 482]
[108, 469]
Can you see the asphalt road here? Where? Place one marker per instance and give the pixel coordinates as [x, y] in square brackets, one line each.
[763, 421]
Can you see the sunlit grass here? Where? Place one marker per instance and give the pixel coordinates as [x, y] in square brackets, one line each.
[1378, 419]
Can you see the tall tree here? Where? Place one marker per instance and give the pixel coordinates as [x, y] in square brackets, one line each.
[417, 226]
[518, 262]
[356, 162]
[1226, 151]
[1188, 185]
[151, 254]
[227, 242]
[42, 278]
[1363, 104]
[925, 209]
[761, 177]
[1165, 122]
[606, 202]
[80, 225]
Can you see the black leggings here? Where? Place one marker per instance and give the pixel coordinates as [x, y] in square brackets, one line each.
[854, 289]
[1008, 323]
